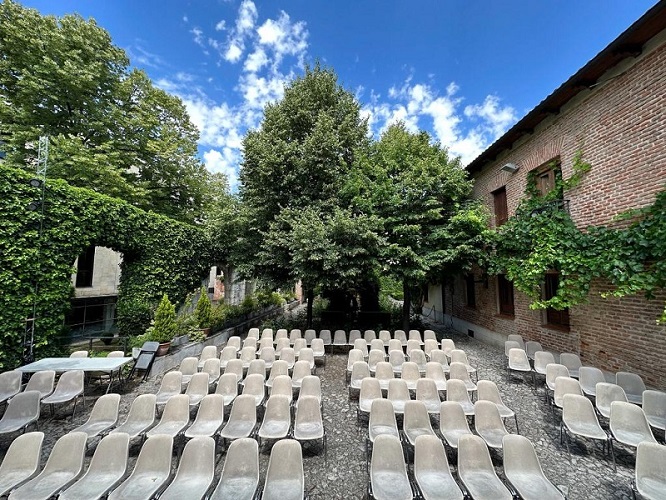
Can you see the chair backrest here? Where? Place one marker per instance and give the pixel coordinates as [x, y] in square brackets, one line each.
[413, 345]
[116, 354]
[258, 367]
[208, 352]
[452, 417]
[654, 406]
[311, 386]
[339, 337]
[212, 367]
[578, 411]
[354, 356]
[430, 455]
[234, 341]
[268, 355]
[429, 335]
[71, 382]
[177, 409]
[361, 345]
[79, 354]
[384, 336]
[376, 345]
[459, 356]
[189, 366]
[397, 390]
[606, 393]
[565, 385]
[418, 356]
[308, 413]
[287, 354]
[650, 466]
[317, 346]
[253, 332]
[105, 409]
[281, 345]
[244, 408]
[439, 356]
[554, 370]
[10, 383]
[435, 371]
[401, 336]
[589, 376]
[426, 391]
[294, 335]
[248, 354]
[382, 417]
[375, 356]
[299, 344]
[416, 416]
[629, 418]
[42, 381]
[430, 345]
[370, 389]
[531, 347]
[282, 385]
[265, 343]
[520, 457]
[155, 457]
[457, 391]
[448, 345]
[142, 409]
[267, 332]
[281, 334]
[458, 371]
[23, 456]
[487, 391]
[250, 342]
[235, 366]
[228, 353]
[396, 358]
[388, 463]
[110, 455]
[410, 371]
[354, 335]
[67, 454]
[394, 345]
[195, 471]
[415, 335]
[510, 344]
[325, 335]
[227, 385]
[473, 457]
[370, 335]
[487, 417]
[277, 409]
[242, 462]
[518, 360]
[543, 359]
[171, 383]
[632, 383]
[309, 336]
[517, 338]
[280, 367]
[302, 369]
[384, 371]
[285, 477]
[570, 360]
[359, 371]
[254, 384]
[198, 385]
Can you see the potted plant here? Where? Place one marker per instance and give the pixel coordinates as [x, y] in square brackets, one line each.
[204, 312]
[164, 327]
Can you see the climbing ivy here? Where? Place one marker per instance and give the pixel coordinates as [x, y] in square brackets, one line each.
[160, 256]
[541, 237]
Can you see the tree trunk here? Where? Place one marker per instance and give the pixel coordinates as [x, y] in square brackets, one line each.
[309, 308]
[406, 305]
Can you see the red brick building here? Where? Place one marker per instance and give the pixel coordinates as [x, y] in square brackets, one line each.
[613, 110]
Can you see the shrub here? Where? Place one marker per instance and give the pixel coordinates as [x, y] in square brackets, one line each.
[204, 310]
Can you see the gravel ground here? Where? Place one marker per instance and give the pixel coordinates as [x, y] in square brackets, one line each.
[341, 474]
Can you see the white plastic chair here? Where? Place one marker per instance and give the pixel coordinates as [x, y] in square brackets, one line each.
[197, 388]
[288, 356]
[188, 367]
[267, 354]
[418, 357]
[370, 335]
[254, 386]
[458, 371]
[309, 336]
[267, 332]
[633, 386]
[355, 335]
[416, 421]
[432, 472]
[208, 352]
[553, 371]
[10, 384]
[524, 472]
[565, 385]
[388, 473]
[460, 356]
[442, 359]
[401, 336]
[415, 335]
[247, 355]
[242, 420]
[448, 345]
[195, 471]
[375, 356]
[250, 342]
[240, 474]
[628, 424]
[476, 470]
[430, 345]
[310, 386]
[281, 334]
[141, 417]
[589, 377]
[381, 421]
[294, 335]
[361, 345]
[253, 332]
[518, 362]
[280, 367]
[175, 417]
[62, 468]
[578, 418]
[452, 422]
[257, 367]
[370, 390]
[410, 374]
[151, 472]
[541, 360]
[70, 388]
[434, 371]
[396, 358]
[339, 338]
[517, 338]
[457, 391]
[227, 387]
[107, 469]
[532, 347]
[227, 354]
[488, 423]
[103, 416]
[488, 391]
[277, 419]
[606, 394]
[325, 335]
[209, 419]
[282, 386]
[265, 343]
[384, 374]
[298, 345]
[654, 406]
[429, 335]
[318, 350]
[302, 369]
[412, 345]
[394, 345]
[212, 368]
[650, 480]
[285, 479]
[79, 354]
[377, 344]
[508, 345]
[234, 342]
[398, 394]
[21, 462]
[308, 422]
[172, 384]
[572, 362]
[42, 382]
[235, 366]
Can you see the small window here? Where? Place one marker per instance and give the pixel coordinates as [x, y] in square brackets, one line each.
[84, 268]
[546, 177]
[501, 211]
[553, 316]
[505, 292]
[469, 290]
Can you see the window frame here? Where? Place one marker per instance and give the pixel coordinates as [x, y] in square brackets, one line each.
[85, 268]
[555, 318]
[505, 290]
[470, 291]
[500, 201]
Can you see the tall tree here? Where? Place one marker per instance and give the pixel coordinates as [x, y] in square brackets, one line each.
[298, 158]
[421, 195]
[111, 130]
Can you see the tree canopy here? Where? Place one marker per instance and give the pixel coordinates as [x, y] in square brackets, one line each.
[111, 129]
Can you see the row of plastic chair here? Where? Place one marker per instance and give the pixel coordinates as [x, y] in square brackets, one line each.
[433, 479]
[152, 472]
[396, 358]
[339, 335]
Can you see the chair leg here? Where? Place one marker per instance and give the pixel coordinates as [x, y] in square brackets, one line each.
[515, 417]
[610, 445]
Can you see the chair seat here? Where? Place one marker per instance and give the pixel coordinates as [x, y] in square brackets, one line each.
[206, 428]
[390, 485]
[241, 488]
[283, 489]
[140, 486]
[235, 430]
[437, 485]
[634, 398]
[398, 406]
[134, 429]
[632, 438]
[486, 485]
[168, 428]
[658, 422]
[651, 488]
[161, 399]
[44, 487]
[587, 430]
[505, 411]
[492, 437]
[452, 436]
[274, 429]
[93, 486]
[377, 430]
[307, 430]
[95, 428]
[414, 432]
[15, 425]
[194, 486]
[535, 486]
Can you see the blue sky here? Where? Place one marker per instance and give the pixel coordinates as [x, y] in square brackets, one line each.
[463, 70]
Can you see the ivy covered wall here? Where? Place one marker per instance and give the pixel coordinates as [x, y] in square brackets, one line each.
[160, 256]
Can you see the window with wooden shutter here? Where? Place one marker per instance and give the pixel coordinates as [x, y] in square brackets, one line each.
[505, 292]
[501, 210]
[470, 291]
[559, 318]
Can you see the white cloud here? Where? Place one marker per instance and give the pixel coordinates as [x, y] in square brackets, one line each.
[283, 38]
[198, 36]
[465, 133]
[245, 22]
[255, 61]
[185, 19]
[224, 161]
[258, 90]
[221, 25]
[234, 52]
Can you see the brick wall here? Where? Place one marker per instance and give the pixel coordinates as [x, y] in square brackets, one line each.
[621, 128]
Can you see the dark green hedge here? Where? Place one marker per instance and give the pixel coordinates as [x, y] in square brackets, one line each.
[160, 256]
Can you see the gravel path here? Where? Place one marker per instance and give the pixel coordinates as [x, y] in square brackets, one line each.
[342, 475]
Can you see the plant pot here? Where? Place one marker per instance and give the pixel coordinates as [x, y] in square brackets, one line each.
[163, 348]
[206, 331]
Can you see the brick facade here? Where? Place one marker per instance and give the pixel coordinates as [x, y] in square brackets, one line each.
[620, 127]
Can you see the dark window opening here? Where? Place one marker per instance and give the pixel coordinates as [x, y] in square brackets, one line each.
[501, 210]
[84, 268]
[553, 316]
[505, 292]
[469, 290]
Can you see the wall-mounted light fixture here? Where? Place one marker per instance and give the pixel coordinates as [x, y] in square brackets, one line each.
[510, 167]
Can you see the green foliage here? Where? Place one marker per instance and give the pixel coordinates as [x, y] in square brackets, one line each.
[390, 287]
[164, 327]
[111, 130]
[160, 255]
[204, 310]
[542, 237]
